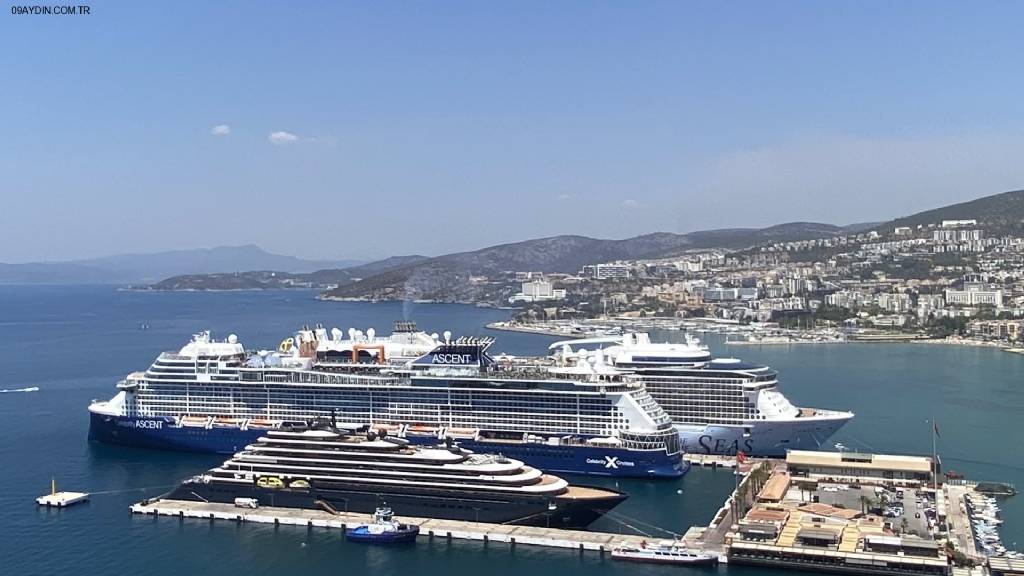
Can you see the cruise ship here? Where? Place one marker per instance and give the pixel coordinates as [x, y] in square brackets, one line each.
[214, 396]
[319, 466]
[718, 405]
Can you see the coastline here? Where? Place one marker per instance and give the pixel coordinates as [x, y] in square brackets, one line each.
[548, 329]
[507, 327]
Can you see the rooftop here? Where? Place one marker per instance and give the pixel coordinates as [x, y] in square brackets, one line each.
[857, 460]
[775, 489]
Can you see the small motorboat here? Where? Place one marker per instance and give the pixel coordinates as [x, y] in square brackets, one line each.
[664, 552]
[383, 530]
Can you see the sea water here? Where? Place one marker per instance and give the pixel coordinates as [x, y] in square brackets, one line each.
[74, 343]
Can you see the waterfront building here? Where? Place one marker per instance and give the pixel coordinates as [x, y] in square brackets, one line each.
[537, 291]
[974, 295]
[606, 271]
[855, 465]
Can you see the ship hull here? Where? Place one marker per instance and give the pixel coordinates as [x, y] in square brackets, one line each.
[764, 438]
[162, 434]
[410, 501]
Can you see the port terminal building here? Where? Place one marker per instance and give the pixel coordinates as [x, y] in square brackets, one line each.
[854, 466]
[823, 511]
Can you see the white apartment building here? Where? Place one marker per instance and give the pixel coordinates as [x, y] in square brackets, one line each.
[974, 295]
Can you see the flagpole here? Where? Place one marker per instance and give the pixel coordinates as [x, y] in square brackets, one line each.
[935, 462]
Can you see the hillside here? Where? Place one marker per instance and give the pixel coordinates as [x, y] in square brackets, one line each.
[999, 213]
[448, 278]
[138, 268]
[267, 279]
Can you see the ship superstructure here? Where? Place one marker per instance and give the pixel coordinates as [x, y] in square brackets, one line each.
[215, 396]
[718, 405]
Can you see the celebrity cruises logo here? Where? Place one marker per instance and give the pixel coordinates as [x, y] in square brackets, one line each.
[610, 462]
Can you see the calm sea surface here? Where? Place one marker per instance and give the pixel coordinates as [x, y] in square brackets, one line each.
[75, 342]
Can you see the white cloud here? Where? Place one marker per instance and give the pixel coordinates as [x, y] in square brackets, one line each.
[281, 138]
[630, 203]
[220, 130]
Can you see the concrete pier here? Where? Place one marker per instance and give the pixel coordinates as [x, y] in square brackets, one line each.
[430, 528]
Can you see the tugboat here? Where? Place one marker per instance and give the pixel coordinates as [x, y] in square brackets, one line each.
[665, 552]
[384, 530]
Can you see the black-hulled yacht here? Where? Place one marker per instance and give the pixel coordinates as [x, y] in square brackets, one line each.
[320, 466]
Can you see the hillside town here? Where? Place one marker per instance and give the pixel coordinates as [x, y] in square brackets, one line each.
[949, 278]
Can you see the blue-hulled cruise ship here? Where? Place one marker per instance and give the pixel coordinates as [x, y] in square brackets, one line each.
[215, 396]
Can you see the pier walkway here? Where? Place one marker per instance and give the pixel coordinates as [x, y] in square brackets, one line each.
[429, 528]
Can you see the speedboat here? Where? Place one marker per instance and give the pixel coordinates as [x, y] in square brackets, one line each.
[664, 552]
[383, 530]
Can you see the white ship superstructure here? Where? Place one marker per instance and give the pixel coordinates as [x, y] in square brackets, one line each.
[719, 405]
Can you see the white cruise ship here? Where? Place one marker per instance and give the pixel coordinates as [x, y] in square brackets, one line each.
[215, 396]
[718, 405]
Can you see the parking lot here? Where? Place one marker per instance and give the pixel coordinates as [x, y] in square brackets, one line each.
[844, 496]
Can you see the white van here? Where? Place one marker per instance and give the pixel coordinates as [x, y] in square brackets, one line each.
[247, 503]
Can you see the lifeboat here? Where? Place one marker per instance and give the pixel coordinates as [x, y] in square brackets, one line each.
[264, 423]
[228, 422]
[195, 421]
[421, 430]
[269, 482]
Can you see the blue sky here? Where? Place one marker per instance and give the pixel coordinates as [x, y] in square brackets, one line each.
[430, 127]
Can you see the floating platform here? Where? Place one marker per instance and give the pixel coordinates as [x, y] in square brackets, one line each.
[430, 528]
[62, 499]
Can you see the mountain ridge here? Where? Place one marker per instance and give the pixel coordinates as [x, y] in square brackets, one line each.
[150, 267]
[450, 277]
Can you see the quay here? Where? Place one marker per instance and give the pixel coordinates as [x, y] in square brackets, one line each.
[832, 512]
[542, 329]
[430, 528]
[710, 460]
